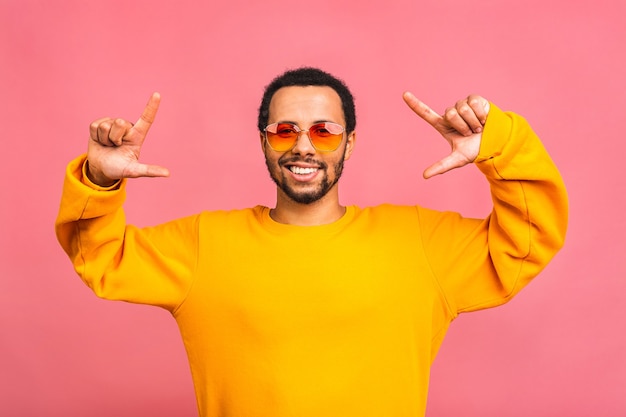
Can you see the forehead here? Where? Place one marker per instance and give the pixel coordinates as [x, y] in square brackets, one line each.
[306, 104]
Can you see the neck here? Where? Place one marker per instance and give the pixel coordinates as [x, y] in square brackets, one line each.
[323, 211]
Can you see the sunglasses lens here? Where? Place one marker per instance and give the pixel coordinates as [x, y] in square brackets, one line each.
[326, 136]
[281, 136]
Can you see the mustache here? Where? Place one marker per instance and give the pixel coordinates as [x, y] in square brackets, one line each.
[283, 160]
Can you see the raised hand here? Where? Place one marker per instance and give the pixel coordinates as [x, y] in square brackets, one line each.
[115, 145]
[460, 125]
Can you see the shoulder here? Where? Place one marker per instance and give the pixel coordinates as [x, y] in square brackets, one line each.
[234, 216]
[404, 215]
[387, 213]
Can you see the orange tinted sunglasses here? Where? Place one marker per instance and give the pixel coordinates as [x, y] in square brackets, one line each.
[324, 136]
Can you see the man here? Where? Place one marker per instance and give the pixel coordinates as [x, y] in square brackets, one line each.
[311, 308]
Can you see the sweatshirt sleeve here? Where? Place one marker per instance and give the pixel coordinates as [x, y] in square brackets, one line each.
[153, 265]
[483, 263]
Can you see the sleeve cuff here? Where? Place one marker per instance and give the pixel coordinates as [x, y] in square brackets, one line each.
[86, 181]
[496, 134]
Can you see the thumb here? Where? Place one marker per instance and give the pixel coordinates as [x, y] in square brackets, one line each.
[444, 165]
[137, 170]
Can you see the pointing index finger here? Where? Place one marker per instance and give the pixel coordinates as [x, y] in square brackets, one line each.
[149, 114]
[421, 109]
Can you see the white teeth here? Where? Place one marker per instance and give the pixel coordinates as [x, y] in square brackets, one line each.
[302, 171]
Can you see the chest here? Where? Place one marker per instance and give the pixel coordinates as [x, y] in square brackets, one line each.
[276, 284]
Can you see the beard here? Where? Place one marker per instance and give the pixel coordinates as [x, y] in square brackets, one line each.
[310, 196]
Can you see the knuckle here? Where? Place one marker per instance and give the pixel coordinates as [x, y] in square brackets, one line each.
[464, 108]
[96, 123]
[451, 113]
[474, 100]
[104, 127]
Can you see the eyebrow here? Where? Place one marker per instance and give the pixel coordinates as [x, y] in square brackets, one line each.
[314, 123]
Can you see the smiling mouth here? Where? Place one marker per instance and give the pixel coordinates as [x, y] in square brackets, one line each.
[302, 171]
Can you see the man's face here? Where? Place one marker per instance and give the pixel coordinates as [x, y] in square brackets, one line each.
[303, 174]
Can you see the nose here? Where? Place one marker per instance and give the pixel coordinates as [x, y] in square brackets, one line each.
[303, 145]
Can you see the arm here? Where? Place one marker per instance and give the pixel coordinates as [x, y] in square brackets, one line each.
[151, 265]
[483, 263]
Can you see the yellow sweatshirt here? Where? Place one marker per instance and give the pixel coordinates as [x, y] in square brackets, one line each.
[335, 320]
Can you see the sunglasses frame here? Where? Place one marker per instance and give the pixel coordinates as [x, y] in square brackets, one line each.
[300, 131]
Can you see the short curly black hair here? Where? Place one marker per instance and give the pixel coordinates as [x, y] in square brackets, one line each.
[308, 76]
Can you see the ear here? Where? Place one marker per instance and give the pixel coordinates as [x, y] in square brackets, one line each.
[263, 142]
[350, 142]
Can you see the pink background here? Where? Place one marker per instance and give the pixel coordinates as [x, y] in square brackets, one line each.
[559, 349]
